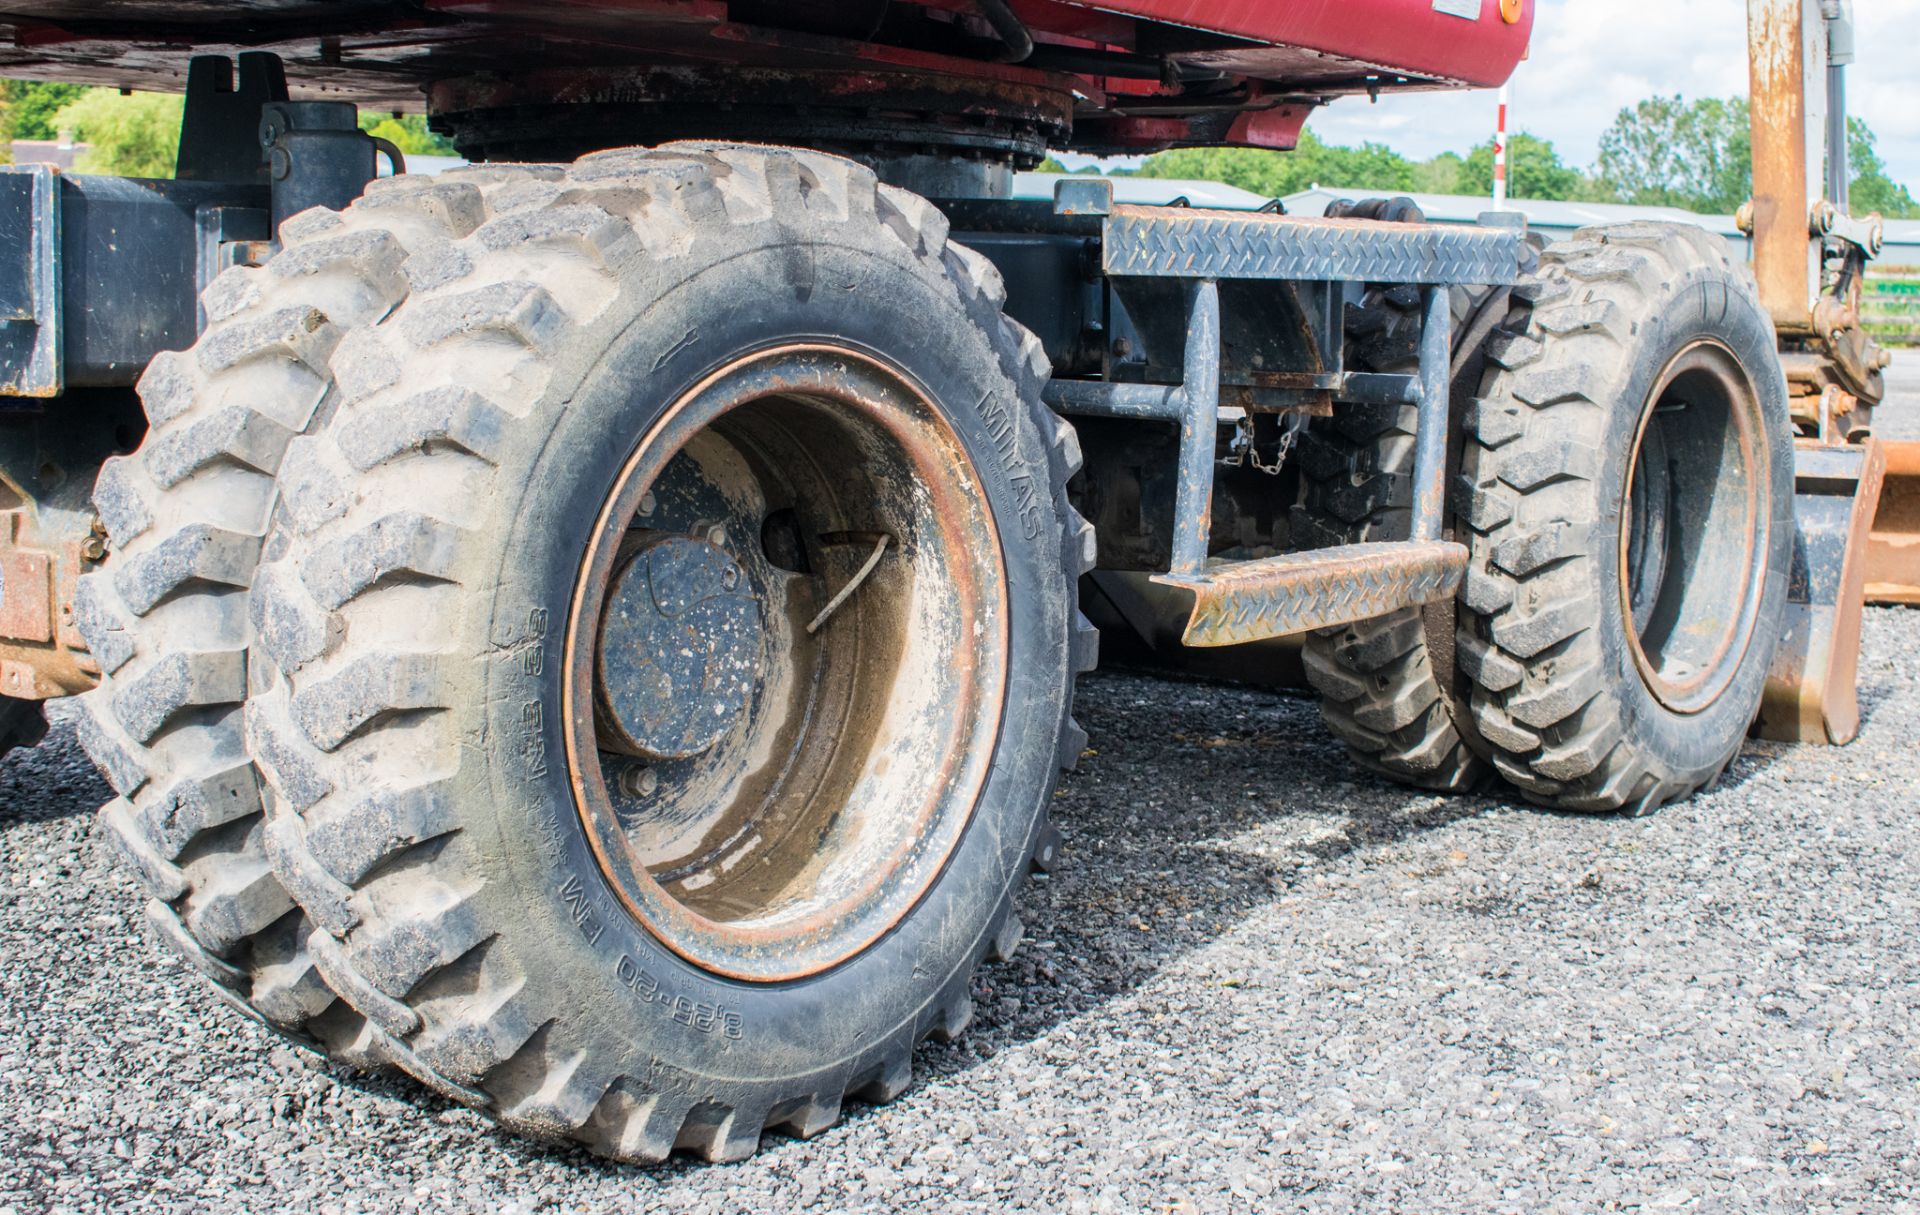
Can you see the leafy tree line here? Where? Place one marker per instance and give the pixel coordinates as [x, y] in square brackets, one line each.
[1663, 152]
[138, 134]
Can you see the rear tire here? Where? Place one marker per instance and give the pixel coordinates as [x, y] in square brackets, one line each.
[421, 639]
[1627, 484]
[1387, 685]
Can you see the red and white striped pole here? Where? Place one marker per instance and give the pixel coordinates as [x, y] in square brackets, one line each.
[1500, 155]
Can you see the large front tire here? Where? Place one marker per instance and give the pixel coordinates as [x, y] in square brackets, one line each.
[549, 896]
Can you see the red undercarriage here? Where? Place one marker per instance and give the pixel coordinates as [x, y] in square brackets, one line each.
[1137, 74]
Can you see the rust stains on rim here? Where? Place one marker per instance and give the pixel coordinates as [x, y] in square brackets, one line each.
[795, 948]
[1699, 691]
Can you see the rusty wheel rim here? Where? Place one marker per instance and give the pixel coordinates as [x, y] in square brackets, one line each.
[846, 763]
[1693, 528]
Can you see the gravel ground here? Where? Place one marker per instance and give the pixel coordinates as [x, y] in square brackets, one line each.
[1262, 982]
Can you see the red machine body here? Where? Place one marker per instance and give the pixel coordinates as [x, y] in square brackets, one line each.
[1109, 74]
[1466, 42]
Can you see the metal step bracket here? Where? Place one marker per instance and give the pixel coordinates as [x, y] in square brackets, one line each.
[1242, 601]
[1250, 600]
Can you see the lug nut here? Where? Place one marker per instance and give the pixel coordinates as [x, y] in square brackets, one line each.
[638, 780]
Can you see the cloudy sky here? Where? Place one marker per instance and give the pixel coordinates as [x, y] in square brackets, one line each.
[1592, 57]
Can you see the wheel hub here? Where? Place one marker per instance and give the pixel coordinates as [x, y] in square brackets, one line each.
[775, 741]
[680, 649]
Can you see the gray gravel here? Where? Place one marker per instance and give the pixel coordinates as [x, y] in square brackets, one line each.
[1262, 982]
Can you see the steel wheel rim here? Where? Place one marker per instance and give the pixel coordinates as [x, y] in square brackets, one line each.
[1677, 556]
[839, 793]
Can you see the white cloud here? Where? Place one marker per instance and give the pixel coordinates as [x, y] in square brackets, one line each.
[1592, 58]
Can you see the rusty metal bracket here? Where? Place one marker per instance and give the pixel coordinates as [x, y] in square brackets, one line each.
[1893, 546]
[1244, 601]
[1810, 688]
[1784, 264]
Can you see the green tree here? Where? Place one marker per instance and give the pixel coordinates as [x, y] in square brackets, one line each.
[1253, 169]
[408, 132]
[1667, 151]
[1870, 188]
[137, 135]
[1441, 175]
[33, 103]
[1534, 170]
[1699, 155]
[1371, 166]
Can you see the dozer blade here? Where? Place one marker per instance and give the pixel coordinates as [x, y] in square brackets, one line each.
[1810, 688]
[1893, 548]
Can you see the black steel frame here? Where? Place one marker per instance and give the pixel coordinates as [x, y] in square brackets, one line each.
[1328, 260]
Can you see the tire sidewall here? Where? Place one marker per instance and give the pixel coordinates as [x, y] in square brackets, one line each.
[1701, 306]
[566, 926]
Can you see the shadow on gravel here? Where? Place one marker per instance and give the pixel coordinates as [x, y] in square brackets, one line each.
[1197, 806]
[1877, 686]
[52, 780]
[1875, 693]
[1220, 801]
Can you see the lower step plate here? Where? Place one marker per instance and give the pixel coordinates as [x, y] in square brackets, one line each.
[1240, 601]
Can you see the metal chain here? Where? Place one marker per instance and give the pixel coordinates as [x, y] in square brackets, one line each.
[1242, 452]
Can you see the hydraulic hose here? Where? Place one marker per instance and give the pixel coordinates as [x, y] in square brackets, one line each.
[1012, 31]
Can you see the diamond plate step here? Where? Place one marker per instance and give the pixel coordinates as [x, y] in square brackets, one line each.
[1240, 601]
[1184, 242]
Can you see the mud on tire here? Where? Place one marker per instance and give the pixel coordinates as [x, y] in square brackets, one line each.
[409, 621]
[166, 615]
